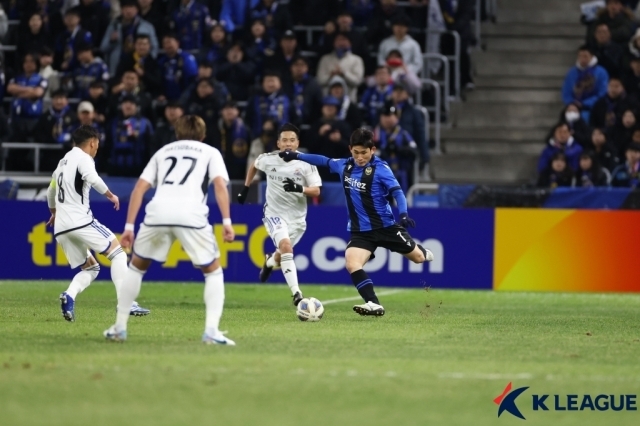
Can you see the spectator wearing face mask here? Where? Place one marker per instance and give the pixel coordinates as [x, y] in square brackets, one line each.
[562, 142]
[609, 54]
[604, 151]
[264, 142]
[557, 174]
[619, 20]
[232, 137]
[343, 63]
[627, 175]
[579, 128]
[589, 173]
[607, 111]
[344, 25]
[401, 74]
[585, 83]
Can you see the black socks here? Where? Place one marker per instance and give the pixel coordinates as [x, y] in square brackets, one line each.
[364, 285]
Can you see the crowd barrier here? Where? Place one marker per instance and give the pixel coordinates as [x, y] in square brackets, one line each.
[502, 249]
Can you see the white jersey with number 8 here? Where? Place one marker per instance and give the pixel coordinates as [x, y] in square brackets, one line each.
[181, 172]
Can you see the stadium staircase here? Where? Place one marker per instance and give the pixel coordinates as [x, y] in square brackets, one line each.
[498, 133]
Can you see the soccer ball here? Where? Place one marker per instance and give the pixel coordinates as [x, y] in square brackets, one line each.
[310, 309]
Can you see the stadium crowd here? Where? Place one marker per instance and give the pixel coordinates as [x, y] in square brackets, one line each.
[597, 139]
[131, 68]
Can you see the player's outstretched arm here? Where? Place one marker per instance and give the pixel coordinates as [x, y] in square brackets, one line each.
[401, 200]
[251, 174]
[135, 202]
[316, 160]
[222, 198]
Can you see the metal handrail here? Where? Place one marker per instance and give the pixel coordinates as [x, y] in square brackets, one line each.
[445, 83]
[437, 109]
[419, 187]
[21, 145]
[455, 57]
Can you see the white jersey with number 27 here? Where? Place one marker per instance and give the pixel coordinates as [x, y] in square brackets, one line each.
[181, 172]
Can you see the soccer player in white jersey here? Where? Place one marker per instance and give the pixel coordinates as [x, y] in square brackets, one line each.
[181, 172]
[75, 228]
[285, 213]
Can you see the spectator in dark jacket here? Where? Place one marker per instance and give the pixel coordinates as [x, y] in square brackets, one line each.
[627, 175]
[374, 98]
[205, 71]
[563, 142]
[232, 137]
[607, 111]
[557, 173]
[329, 136]
[348, 110]
[55, 127]
[99, 100]
[86, 70]
[412, 120]
[31, 36]
[166, 132]
[27, 90]
[605, 152]
[579, 128]
[191, 21]
[94, 14]
[218, 46]
[622, 134]
[304, 91]
[179, 68]
[143, 64]
[270, 102]
[260, 45]
[130, 86]
[274, 14]
[609, 54]
[66, 43]
[618, 19]
[590, 173]
[204, 103]
[237, 73]
[281, 59]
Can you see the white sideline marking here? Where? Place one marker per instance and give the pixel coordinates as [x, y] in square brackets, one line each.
[349, 299]
[479, 376]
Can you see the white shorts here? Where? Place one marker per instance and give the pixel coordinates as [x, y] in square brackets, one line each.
[154, 243]
[279, 229]
[77, 243]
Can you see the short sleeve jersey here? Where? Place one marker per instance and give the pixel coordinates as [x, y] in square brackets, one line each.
[290, 206]
[366, 190]
[181, 173]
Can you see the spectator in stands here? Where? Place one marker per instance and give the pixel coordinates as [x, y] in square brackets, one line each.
[237, 73]
[557, 174]
[313, 12]
[375, 96]
[627, 175]
[348, 110]
[590, 173]
[165, 132]
[618, 19]
[68, 41]
[119, 39]
[232, 137]
[31, 36]
[87, 117]
[632, 49]
[341, 62]
[579, 128]
[282, 57]
[217, 44]
[609, 54]
[412, 120]
[275, 15]
[27, 89]
[142, 63]
[265, 142]
[563, 142]
[151, 12]
[88, 69]
[128, 146]
[396, 146]
[329, 136]
[191, 21]
[205, 103]
[622, 134]
[179, 68]
[130, 86]
[56, 124]
[403, 42]
[260, 45]
[401, 74]
[304, 91]
[585, 83]
[344, 25]
[604, 151]
[98, 98]
[384, 15]
[270, 102]
[94, 14]
[47, 72]
[205, 71]
[607, 111]
[361, 10]
[51, 12]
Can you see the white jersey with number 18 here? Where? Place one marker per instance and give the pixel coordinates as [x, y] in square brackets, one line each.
[181, 173]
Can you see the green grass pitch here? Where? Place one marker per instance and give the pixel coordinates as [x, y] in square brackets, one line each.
[436, 358]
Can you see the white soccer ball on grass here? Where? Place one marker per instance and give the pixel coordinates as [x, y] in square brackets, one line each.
[310, 309]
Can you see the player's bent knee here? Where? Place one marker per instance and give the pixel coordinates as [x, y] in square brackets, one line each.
[93, 270]
[139, 263]
[211, 268]
[285, 246]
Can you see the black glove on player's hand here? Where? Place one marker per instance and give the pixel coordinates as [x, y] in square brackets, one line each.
[291, 186]
[242, 196]
[406, 221]
[288, 155]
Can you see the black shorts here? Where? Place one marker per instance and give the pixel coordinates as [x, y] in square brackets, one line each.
[394, 238]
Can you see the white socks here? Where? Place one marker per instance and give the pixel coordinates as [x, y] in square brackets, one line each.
[118, 260]
[213, 300]
[82, 280]
[288, 267]
[271, 262]
[128, 292]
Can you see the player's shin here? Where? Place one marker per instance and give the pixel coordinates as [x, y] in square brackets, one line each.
[82, 280]
[364, 285]
[129, 290]
[289, 271]
[119, 268]
[213, 300]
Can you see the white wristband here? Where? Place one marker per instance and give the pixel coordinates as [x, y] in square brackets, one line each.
[226, 221]
[129, 227]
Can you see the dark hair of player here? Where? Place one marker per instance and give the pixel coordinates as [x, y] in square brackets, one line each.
[362, 137]
[190, 127]
[83, 135]
[288, 127]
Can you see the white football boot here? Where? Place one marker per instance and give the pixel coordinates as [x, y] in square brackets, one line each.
[369, 308]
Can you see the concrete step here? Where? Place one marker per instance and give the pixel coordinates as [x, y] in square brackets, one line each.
[519, 83]
[494, 114]
[481, 146]
[530, 44]
[513, 95]
[574, 31]
[538, 16]
[483, 168]
[496, 134]
[525, 69]
[565, 6]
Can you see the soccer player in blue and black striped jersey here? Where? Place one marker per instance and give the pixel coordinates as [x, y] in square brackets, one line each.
[367, 182]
